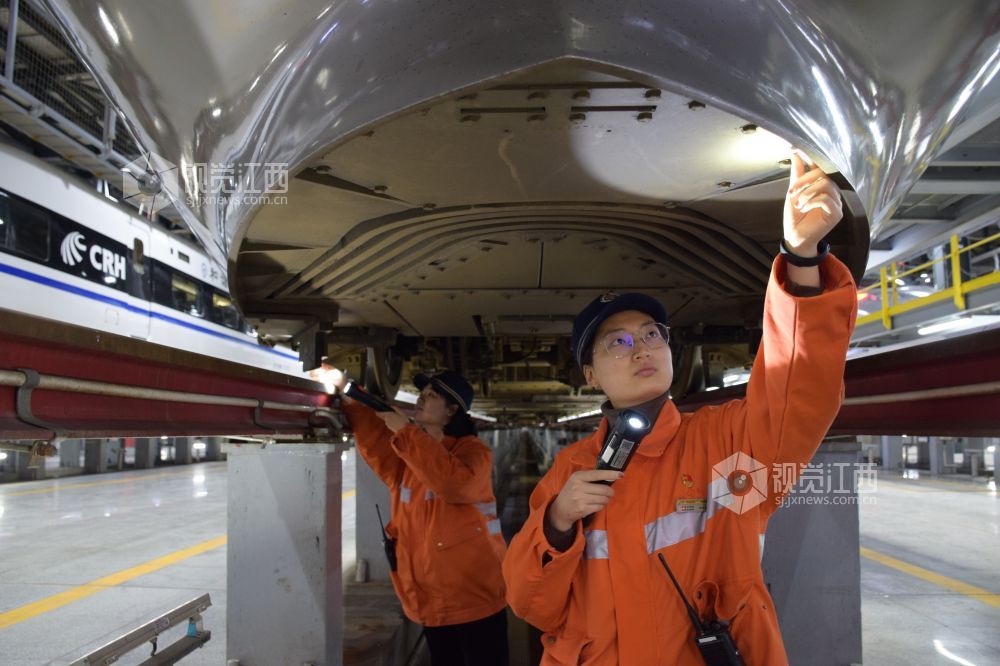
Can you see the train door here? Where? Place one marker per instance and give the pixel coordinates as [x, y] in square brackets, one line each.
[139, 282]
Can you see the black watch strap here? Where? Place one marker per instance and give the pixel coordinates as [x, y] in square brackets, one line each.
[806, 262]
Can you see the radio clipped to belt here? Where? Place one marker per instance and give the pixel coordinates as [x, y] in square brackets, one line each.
[711, 638]
[387, 543]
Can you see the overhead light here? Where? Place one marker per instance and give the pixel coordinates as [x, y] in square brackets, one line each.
[199, 446]
[712, 388]
[960, 324]
[899, 282]
[482, 417]
[736, 378]
[3, 455]
[580, 415]
[407, 397]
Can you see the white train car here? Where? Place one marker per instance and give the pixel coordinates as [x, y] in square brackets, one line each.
[69, 254]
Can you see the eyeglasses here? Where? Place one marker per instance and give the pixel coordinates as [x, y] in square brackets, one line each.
[620, 344]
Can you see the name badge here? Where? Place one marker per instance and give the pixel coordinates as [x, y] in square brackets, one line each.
[689, 505]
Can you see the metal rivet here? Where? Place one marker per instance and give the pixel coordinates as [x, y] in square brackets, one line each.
[577, 117]
[470, 118]
[430, 206]
[749, 128]
[670, 204]
[538, 94]
[725, 183]
[785, 164]
[537, 117]
[653, 93]
[694, 105]
[644, 117]
[440, 545]
[468, 96]
[379, 188]
[581, 94]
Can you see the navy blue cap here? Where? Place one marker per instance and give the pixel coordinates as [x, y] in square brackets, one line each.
[449, 384]
[587, 322]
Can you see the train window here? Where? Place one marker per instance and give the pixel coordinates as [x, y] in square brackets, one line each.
[4, 220]
[138, 256]
[186, 294]
[224, 312]
[27, 230]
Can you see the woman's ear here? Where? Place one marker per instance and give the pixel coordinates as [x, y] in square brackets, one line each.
[452, 410]
[591, 377]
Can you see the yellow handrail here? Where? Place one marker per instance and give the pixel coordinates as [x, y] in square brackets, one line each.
[956, 275]
[957, 291]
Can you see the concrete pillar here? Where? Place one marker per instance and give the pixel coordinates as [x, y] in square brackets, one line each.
[284, 601]
[28, 470]
[116, 453]
[892, 453]
[213, 448]
[147, 451]
[995, 443]
[182, 450]
[941, 273]
[69, 452]
[935, 455]
[812, 566]
[95, 456]
[368, 535]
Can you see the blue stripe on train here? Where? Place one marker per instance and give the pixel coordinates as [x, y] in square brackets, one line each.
[118, 303]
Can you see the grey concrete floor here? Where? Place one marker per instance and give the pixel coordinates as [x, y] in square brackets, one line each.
[930, 550]
[923, 540]
[58, 535]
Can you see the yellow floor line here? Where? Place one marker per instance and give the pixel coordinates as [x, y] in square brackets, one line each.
[971, 591]
[36, 608]
[92, 484]
[61, 599]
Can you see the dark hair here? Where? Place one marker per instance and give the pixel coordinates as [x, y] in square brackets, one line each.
[461, 424]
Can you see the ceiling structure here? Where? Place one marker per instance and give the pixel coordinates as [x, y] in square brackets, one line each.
[466, 232]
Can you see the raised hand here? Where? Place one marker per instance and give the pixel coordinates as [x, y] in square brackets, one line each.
[812, 208]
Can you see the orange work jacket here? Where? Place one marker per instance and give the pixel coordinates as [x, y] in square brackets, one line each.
[607, 599]
[444, 518]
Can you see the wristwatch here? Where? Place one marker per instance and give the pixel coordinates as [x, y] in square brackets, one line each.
[805, 262]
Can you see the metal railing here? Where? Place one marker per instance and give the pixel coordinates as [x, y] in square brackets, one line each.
[887, 287]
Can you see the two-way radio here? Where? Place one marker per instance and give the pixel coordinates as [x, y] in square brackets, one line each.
[712, 639]
[387, 543]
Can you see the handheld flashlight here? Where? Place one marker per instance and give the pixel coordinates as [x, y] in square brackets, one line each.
[623, 440]
[355, 392]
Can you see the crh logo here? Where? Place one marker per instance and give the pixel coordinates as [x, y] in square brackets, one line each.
[74, 247]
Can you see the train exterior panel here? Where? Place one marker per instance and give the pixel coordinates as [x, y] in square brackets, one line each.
[69, 254]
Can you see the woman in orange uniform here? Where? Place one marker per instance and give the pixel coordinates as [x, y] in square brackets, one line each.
[444, 519]
[585, 567]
